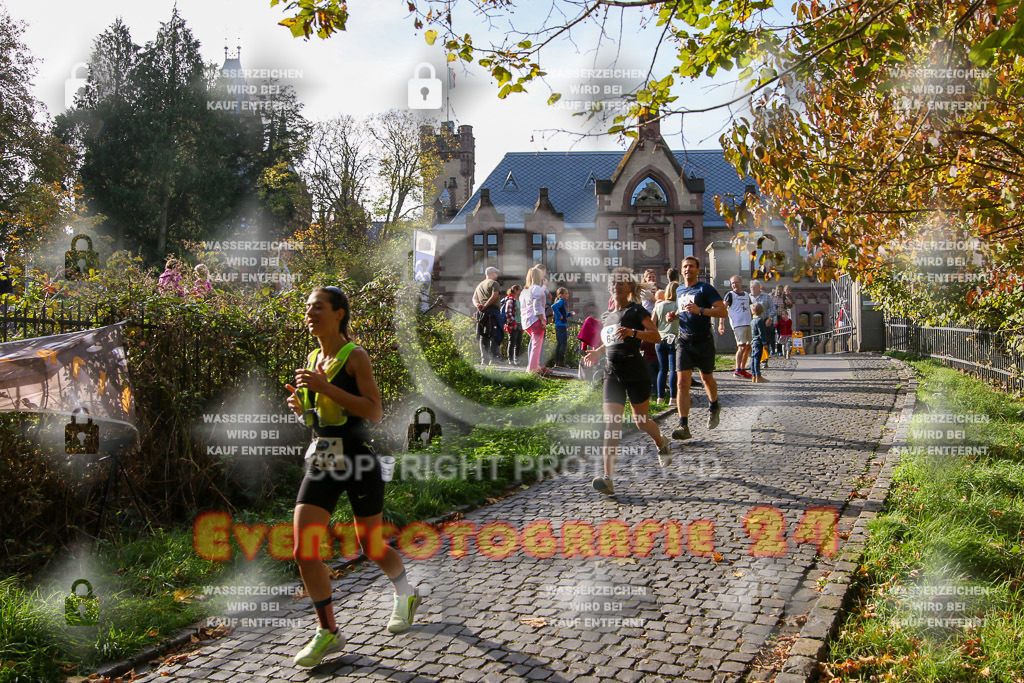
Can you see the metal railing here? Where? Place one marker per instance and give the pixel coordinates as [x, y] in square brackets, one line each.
[833, 341]
[990, 355]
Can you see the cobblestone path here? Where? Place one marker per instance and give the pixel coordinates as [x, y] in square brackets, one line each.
[741, 520]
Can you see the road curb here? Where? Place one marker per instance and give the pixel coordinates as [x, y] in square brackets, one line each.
[812, 645]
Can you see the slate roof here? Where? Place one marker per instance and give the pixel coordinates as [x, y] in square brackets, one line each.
[566, 175]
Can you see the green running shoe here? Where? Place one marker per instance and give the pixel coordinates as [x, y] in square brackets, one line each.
[682, 433]
[404, 610]
[713, 416]
[323, 643]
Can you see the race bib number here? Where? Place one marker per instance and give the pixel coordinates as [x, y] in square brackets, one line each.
[326, 454]
[608, 335]
[683, 300]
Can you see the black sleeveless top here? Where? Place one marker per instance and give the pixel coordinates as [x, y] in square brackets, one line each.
[355, 431]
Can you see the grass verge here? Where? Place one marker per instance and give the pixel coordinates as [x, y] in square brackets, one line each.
[939, 593]
[151, 586]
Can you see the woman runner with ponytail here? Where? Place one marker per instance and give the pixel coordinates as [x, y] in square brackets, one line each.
[336, 393]
[626, 376]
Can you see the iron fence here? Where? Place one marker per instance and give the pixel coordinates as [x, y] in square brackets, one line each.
[990, 355]
[183, 352]
[832, 341]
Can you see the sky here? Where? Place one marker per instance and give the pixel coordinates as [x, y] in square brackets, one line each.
[367, 69]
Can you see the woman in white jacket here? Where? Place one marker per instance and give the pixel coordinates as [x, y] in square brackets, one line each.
[531, 303]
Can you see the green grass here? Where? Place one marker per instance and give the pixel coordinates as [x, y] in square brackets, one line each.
[951, 522]
[154, 582]
[138, 607]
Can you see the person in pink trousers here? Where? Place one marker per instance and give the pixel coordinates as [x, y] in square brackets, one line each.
[531, 303]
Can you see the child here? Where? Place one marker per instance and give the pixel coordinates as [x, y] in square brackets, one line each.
[513, 323]
[170, 279]
[202, 285]
[758, 342]
[561, 311]
[785, 330]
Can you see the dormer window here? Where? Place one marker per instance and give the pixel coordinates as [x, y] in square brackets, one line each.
[591, 181]
[510, 182]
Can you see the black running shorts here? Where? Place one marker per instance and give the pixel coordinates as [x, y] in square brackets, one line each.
[617, 391]
[363, 485]
[695, 353]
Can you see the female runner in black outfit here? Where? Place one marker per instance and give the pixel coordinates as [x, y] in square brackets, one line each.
[626, 375]
[347, 397]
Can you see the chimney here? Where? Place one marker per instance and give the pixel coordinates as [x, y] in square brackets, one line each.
[650, 125]
[544, 209]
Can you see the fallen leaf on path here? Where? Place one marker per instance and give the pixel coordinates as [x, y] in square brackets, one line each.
[718, 557]
[535, 622]
[209, 633]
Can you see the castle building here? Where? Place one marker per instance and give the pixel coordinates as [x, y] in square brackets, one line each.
[456, 152]
[583, 213]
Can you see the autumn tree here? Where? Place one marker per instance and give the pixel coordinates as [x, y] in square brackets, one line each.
[36, 190]
[406, 168]
[846, 152]
[163, 165]
[337, 171]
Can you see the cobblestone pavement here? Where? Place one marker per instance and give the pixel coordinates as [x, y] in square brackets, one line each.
[699, 606]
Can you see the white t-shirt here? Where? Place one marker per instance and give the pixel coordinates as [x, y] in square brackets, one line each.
[739, 309]
[531, 303]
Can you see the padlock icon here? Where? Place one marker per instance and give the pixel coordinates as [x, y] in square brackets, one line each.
[78, 262]
[424, 93]
[420, 434]
[81, 439]
[81, 610]
[74, 85]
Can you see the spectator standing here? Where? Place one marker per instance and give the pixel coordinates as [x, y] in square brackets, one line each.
[788, 301]
[202, 285]
[532, 302]
[760, 296]
[513, 323]
[738, 304]
[651, 286]
[650, 353]
[668, 327]
[785, 329]
[758, 342]
[488, 325]
[778, 303]
[6, 284]
[170, 279]
[561, 312]
[697, 302]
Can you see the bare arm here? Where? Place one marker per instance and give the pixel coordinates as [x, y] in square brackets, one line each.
[649, 333]
[367, 406]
